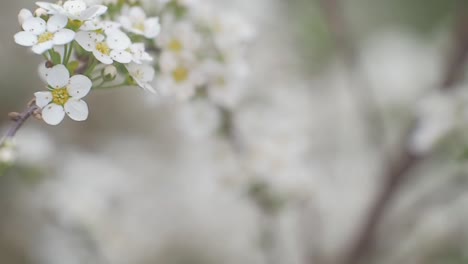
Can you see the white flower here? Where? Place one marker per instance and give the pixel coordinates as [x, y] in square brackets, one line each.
[139, 53]
[135, 21]
[143, 75]
[74, 9]
[106, 49]
[43, 36]
[225, 81]
[178, 37]
[179, 75]
[64, 97]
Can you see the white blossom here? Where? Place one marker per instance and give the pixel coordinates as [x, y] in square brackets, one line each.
[134, 20]
[106, 49]
[142, 74]
[179, 76]
[74, 9]
[64, 96]
[42, 36]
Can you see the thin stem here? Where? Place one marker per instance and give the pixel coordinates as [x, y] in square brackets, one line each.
[70, 52]
[18, 123]
[91, 67]
[65, 52]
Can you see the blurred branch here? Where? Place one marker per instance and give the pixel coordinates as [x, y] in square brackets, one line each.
[399, 171]
[345, 45]
[460, 52]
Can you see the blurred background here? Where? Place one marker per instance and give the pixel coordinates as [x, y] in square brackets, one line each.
[350, 147]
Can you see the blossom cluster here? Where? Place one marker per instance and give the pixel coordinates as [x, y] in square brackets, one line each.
[86, 46]
[177, 49]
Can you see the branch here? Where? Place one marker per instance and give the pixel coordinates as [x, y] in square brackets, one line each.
[19, 120]
[399, 172]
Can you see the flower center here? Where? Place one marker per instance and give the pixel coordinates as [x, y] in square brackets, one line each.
[176, 46]
[180, 74]
[74, 24]
[47, 36]
[140, 26]
[103, 48]
[60, 96]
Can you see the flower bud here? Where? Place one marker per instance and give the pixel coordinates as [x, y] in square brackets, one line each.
[109, 73]
[23, 15]
[7, 152]
[40, 12]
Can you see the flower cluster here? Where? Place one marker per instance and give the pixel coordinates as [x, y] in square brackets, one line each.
[87, 45]
[203, 53]
[101, 44]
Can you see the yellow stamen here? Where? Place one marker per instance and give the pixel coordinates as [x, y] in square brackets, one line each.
[176, 46]
[47, 36]
[60, 96]
[103, 48]
[140, 26]
[180, 74]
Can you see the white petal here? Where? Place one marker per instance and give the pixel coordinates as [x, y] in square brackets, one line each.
[126, 22]
[42, 47]
[58, 76]
[93, 12]
[26, 39]
[121, 56]
[137, 14]
[152, 27]
[56, 23]
[43, 71]
[74, 7]
[43, 98]
[23, 15]
[63, 36]
[51, 8]
[53, 114]
[118, 40]
[79, 86]
[91, 25]
[88, 40]
[148, 87]
[76, 109]
[110, 26]
[102, 57]
[35, 25]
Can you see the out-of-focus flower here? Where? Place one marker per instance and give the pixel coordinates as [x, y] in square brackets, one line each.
[134, 20]
[8, 152]
[179, 76]
[178, 37]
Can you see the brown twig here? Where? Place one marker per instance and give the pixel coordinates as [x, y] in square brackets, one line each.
[18, 122]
